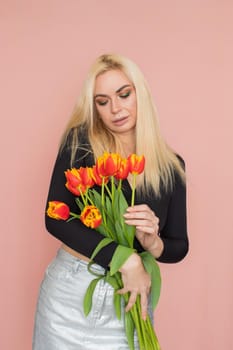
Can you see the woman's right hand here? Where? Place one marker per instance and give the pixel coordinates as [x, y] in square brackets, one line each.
[136, 281]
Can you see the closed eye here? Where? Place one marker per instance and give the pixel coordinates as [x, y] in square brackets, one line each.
[125, 94]
[101, 102]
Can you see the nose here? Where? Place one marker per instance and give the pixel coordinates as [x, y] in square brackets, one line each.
[115, 105]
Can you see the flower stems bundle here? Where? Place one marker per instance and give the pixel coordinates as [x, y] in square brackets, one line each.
[103, 210]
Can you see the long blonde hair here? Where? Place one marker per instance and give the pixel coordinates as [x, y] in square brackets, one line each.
[161, 161]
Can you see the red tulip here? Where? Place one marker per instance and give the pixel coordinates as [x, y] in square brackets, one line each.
[86, 176]
[91, 216]
[77, 191]
[79, 180]
[136, 164]
[123, 170]
[97, 178]
[58, 210]
[73, 177]
[108, 164]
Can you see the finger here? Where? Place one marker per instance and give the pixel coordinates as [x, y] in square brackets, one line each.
[149, 230]
[147, 217]
[141, 223]
[144, 305]
[139, 215]
[138, 207]
[131, 301]
[122, 291]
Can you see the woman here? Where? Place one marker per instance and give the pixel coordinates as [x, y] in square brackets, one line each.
[115, 113]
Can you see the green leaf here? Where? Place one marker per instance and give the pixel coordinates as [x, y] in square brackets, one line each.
[101, 229]
[95, 197]
[112, 280]
[100, 246]
[120, 255]
[129, 330]
[93, 272]
[123, 205]
[110, 217]
[79, 203]
[152, 268]
[117, 304]
[120, 233]
[87, 302]
[129, 232]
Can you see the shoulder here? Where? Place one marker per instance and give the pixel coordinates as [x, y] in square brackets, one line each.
[74, 139]
[179, 173]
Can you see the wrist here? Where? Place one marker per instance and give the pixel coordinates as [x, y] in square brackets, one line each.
[157, 248]
[134, 261]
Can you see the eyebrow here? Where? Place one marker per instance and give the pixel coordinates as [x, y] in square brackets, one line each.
[117, 91]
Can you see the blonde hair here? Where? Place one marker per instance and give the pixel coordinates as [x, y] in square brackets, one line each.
[161, 161]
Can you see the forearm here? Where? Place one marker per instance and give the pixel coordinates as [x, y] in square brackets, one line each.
[156, 248]
[174, 250]
[81, 239]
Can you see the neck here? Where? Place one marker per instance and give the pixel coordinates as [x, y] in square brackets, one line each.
[128, 143]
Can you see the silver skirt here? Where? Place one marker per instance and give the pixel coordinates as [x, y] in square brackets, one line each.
[60, 323]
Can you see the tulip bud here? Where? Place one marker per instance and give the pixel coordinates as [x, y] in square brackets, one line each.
[58, 210]
[136, 164]
[108, 164]
[79, 180]
[123, 170]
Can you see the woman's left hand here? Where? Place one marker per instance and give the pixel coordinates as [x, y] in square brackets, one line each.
[147, 227]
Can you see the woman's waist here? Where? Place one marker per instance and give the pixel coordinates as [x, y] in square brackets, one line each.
[74, 253]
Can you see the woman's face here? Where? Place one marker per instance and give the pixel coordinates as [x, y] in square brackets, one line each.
[115, 101]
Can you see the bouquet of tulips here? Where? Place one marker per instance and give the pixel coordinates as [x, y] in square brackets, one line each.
[103, 211]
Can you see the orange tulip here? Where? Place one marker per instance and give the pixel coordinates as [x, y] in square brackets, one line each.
[123, 170]
[79, 180]
[97, 178]
[91, 216]
[73, 177]
[86, 176]
[77, 191]
[108, 164]
[136, 164]
[58, 210]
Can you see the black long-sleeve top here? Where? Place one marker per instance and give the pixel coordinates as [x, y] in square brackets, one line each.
[170, 207]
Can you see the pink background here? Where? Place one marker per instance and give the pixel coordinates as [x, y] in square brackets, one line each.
[184, 47]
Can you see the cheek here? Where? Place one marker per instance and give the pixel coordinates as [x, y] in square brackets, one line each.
[103, 115]
[132, 102]
[133, 106]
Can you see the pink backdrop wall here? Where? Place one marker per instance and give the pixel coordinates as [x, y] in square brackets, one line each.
[184, 49]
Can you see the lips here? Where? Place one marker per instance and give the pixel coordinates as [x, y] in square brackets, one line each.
[120, 120]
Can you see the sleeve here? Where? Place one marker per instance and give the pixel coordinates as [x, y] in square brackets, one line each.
[174, 233]
[74, 234]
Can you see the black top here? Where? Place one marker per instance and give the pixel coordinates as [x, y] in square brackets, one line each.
[169, 207]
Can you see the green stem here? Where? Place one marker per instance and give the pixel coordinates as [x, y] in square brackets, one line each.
[136, 319]
[133, 190]
[89, 199]
[108, 190]
[139, 317]
[83, 197]
[119, 185]
[103, 202]
[146, 335]
[74, 215]
[152, 332]
[113, 188]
